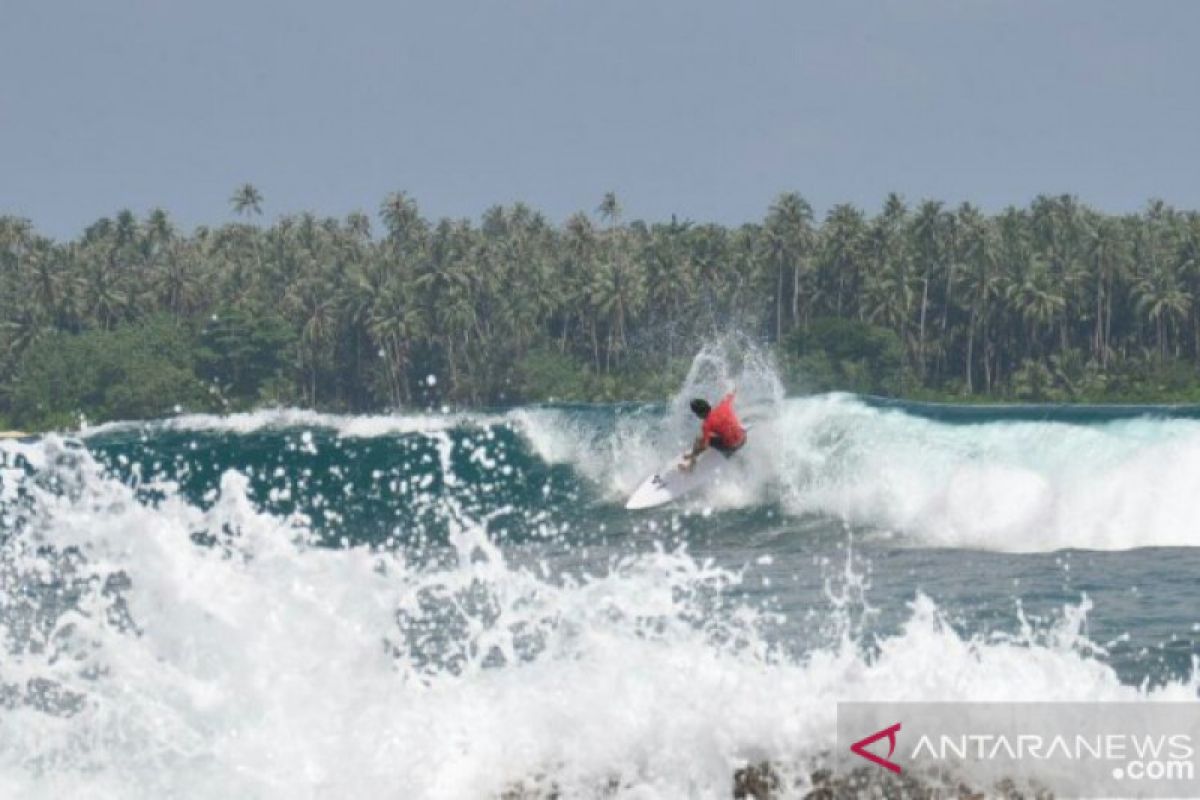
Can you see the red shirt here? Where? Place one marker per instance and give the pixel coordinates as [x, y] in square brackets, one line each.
[723, 423]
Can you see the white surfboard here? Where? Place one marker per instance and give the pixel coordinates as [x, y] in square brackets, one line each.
[672, 482]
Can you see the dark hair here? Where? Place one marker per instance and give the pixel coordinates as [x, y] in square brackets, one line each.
[701, 408]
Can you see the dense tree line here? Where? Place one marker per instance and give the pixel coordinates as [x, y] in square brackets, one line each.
[1051, 301]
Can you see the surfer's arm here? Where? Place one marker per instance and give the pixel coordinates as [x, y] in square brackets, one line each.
[699, 447]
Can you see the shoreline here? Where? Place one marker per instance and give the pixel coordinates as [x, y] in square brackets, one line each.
[941, 410]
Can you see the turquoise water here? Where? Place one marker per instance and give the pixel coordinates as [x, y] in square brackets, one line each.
[448, 605]
[391, 490]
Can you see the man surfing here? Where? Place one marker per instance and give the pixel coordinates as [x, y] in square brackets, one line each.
[720, 430]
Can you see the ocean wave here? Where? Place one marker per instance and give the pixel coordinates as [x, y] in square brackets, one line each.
[993, 485]
[273, 419]
[160, 648]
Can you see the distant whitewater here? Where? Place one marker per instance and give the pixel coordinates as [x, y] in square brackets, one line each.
[288, 604]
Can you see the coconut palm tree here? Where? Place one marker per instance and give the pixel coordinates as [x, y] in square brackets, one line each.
[577, 263]
[1188, 268]
[887, 287]
[789, 239]
[982, 286]
[16, 239]
[175, 285]
[842, 255]
[609, 209]
[402, 218]
[312, 302]
[246, 200]
[1161, 297]
[1107, 253]
[616, 293]
[1037, 299]
[393, 325]
[928, 232]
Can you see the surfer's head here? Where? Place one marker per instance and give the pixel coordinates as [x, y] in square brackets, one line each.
[701, 408]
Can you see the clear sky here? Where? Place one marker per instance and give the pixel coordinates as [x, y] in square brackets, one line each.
[703, 109]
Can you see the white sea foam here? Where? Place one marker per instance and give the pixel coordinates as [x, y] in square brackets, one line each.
[619, 455]
[356, 426]
[1009, 486]
[264, 667]
[1015, 486]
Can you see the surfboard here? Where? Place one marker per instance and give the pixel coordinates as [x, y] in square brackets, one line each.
[672, 482]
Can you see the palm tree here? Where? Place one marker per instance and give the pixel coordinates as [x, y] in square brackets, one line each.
[359, 224]
[20, 330]
[313, 304]
[995, 303]
[104, 298]
[929, 244]
[406, 229]
[175, 285]
[842, 255]
[159, 231]
[887, 288]
[580, 245]
[125, 231]
[1107, 253]
[16, 239]
[982, 285]
[447, 294]
[1188, 267]
[1163, 300]
[617, 291]
[609, 209]
[392, 325]
[1036, 296]
[789, 238]
[247, 200]
[669, 276]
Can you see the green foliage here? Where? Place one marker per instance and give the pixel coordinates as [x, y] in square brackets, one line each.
[132, 372]
[1034, 381]
[1138, 381]
[1052, 301]
[549, 375]
[546, 374]
[845, 354]
[241, 350]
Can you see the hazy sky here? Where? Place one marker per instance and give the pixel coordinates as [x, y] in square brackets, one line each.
[703, 109]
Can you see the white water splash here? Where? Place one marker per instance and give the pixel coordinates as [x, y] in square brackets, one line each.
[1004, 486]
[140, 662]
[365, 426]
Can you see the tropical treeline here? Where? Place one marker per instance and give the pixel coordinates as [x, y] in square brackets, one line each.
[135, 317]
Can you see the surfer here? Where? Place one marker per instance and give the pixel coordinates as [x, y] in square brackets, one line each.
[720, 430]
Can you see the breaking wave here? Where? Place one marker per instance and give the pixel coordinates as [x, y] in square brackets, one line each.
[162, 644]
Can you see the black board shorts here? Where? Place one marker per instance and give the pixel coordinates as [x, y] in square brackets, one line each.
[716, 444]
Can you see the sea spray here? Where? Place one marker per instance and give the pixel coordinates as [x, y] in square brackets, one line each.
[1004, 486]
[159, 644]
[1010, 486]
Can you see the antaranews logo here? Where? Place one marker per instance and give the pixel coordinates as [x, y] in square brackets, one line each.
[859, 748]
[1068, 749]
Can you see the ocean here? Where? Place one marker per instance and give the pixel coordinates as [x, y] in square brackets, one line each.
[455, 604]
